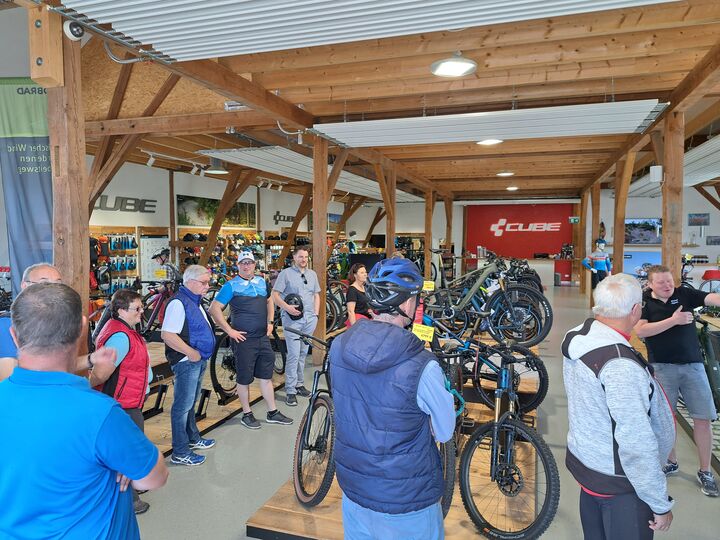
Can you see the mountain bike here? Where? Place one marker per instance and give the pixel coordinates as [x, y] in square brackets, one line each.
[154, 304]
[482, 364]
[509, 481]
[313, 461]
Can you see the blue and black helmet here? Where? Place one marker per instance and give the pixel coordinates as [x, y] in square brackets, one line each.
[391, 282]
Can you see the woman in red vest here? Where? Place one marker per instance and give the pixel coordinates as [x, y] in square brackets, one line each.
[128, 383]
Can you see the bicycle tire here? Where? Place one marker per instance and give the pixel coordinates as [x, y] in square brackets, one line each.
[280, 349]
[475, 481]
[222, 367]
[530, 305]
[331, 313]
[149, 302]
[448, 458]
[313, 494]
[531, 363]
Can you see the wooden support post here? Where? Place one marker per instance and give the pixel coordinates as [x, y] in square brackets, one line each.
[173, 227]
[69, 179]
[377, 219]
[448, 222]
[237, 184]
[321, 196]
[387, 188]
[658, 146]
[595, 227]
[45, 39]
[582, 242]
[672, 192]
[623, 175]
[303, 210]
[429, 207]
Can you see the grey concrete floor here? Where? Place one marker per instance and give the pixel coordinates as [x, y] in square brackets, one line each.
[246, 467]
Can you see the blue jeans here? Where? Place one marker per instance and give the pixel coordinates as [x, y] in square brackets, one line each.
[361, 523]
[188, 383]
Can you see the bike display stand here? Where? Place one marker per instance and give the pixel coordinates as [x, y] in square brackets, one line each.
[160, 390]
[282, 517]
[201, 412]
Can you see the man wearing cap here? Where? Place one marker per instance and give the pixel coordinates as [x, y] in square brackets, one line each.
[303, 282]
[251, 322]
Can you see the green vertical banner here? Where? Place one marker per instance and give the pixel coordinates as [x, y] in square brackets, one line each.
[26, 174]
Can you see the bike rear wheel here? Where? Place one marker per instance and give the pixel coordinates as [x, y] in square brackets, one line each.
[522, 499]
[222, 367]
[521, 314]
[313, 463]
[530, 377]
[448, 458]
[440, 305]
[280, 349]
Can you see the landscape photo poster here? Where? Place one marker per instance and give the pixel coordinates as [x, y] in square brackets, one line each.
[698, 220]
[200, 212]
[643, 231]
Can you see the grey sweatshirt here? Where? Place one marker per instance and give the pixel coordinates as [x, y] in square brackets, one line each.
[621, 425]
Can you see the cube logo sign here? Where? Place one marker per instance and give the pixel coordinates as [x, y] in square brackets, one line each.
[503, 226]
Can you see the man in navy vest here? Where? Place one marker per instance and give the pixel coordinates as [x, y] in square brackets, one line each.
[391, 407]
[189, 342]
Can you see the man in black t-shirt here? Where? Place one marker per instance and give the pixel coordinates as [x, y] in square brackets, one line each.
[674, 352]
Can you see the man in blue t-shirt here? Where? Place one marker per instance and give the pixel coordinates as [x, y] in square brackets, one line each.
[74, 451]
[251, 322]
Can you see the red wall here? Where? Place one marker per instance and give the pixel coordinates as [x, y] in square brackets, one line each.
[527, 229]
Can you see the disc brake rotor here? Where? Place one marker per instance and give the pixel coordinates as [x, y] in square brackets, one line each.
[510, 480]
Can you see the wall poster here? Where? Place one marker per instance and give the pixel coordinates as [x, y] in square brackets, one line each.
[200, 212]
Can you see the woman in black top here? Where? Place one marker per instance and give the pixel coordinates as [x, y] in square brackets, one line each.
[357, 303]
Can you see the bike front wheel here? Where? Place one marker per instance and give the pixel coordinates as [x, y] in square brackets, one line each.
[509, 481]
[313, 461]
[521, 314]
[222, 367]
[448, 457]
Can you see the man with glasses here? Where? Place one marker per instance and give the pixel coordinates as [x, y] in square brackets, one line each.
[300, 280]
[101, 362]
[251, 322]
[189, 342]
[674, 352]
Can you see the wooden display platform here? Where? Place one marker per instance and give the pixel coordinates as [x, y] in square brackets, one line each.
[158, 427]
[282, 517]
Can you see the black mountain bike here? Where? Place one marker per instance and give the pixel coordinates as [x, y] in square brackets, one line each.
[509, 480]
[313, 460]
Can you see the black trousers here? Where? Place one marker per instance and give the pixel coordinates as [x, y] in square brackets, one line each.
[597, 277]
[621, 517]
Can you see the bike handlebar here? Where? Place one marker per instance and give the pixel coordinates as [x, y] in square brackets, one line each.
[306, 338]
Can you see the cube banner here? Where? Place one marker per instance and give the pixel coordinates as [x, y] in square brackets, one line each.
[26, 174]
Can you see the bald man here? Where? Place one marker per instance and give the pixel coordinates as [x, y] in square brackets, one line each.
[101, 362]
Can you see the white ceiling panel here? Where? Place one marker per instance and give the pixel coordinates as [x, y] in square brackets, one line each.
[566, 121]
[196, 29]
[700, 164]
[285, 162]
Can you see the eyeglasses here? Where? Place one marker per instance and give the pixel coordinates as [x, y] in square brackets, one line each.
[304, 278]
[43, 281]
[247, 262]
[137, 309]
[203, 282]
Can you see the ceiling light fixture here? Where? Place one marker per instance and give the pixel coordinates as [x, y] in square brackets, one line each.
[455, 66]
[512, 188]
[216, 167]
[490, 142]
[505, 173]
[150, 160]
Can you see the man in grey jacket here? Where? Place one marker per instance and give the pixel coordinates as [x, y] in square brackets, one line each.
[621, 425]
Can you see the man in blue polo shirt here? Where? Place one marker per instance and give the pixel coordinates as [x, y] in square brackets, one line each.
[251, 316]
[73, 449]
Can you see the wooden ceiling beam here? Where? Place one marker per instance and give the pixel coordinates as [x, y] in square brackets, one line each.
[221, 80]
[521, 194]
[608, 23]
[427, 158]
[358, 81]
[175, 124]
[700, 81]
[496, 185]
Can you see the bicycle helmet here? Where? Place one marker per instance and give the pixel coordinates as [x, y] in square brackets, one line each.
[391, 282]
[163, 252]
[293, 299]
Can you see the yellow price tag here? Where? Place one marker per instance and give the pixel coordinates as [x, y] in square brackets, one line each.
[428, 285]
[425, 333]
[160, 273]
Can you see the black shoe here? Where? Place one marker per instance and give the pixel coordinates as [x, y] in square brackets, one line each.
[140, 507]
[248, 420]
[302, 391]
[276, 417]
[291, 400]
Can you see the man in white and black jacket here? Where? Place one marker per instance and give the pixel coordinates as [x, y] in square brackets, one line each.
[621, 425]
